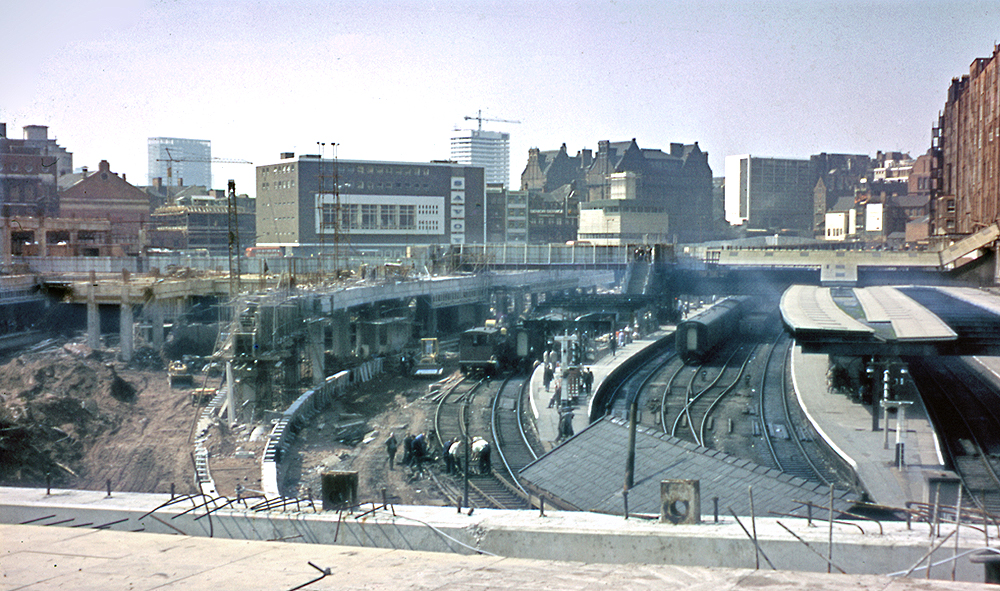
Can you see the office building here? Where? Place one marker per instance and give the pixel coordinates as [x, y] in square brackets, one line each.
[489, 150]
[308, 204]
[179, 161]
[771, 195]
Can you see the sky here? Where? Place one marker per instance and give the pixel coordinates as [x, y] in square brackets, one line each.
[392, 80]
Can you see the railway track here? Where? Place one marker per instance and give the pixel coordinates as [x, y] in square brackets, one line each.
[516, 445]
[456, 409]
[962, 406]
[786, 435]
[719, 406]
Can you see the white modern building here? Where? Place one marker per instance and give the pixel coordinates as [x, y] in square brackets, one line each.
[487, 149]
[769, 194]
[180, 162]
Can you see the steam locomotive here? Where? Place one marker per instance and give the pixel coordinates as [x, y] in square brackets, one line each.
[493, 350]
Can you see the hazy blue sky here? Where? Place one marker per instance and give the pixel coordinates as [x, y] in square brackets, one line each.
[391, 80]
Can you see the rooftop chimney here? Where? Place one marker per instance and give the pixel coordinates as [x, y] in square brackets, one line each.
[3, 130]
[36, 132]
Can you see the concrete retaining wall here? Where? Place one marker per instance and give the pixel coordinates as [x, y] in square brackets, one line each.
[572, 536]
[297, 416]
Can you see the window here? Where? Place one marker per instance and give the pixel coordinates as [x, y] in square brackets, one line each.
[407, 215]
[369, 216]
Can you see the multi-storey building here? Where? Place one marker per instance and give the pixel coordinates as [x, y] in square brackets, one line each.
[103, 195]
[489, 150]
[180, 161]
[30, 171]
[837, 176]
[773, 195]
[965, 168]
[199, 220]
[677, 183]
[310, 204]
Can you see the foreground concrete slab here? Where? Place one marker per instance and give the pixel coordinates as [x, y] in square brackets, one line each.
[38, 557]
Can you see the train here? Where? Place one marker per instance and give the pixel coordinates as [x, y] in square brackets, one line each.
[699, 336]
[494, 350]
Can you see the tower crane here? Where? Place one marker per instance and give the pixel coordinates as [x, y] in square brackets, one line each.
[170, 159]
[479, 118]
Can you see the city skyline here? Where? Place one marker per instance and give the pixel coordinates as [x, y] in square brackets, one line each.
[392, 80]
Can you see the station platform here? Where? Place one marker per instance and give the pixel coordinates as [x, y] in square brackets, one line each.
[846, 426]
[547, 417]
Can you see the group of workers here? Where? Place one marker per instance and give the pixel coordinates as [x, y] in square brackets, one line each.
[416, 451]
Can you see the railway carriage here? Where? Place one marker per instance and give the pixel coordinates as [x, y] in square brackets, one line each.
[699, 336]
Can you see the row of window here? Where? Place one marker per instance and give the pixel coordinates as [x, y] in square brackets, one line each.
[278, 168]
[278, 185]
[374, 169]
[371, 217]
[371, 185]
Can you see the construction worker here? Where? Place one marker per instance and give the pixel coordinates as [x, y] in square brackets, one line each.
[391, 445]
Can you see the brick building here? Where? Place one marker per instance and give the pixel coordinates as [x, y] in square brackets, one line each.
[30, 171]
[965, 175]
[103, 195]
[677, 183]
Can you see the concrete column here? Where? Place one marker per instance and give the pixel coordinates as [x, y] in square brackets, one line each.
[5, 243]
[340, 331]
[93, 316]
[996, 259]
[125, 328]
[230, 398]
[316, 351]
[43, 239]
[156, 312]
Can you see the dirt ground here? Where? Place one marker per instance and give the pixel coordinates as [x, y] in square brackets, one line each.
[85, 418]
[389, 404]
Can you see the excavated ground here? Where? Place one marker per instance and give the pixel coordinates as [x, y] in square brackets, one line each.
[84, 418]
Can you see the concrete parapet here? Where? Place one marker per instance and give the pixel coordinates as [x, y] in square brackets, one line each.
[566, 536]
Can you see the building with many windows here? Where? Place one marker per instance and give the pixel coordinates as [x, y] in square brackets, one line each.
[487, 149]
[677, 183]
[30, 172]
[180, 161]
[309, 204]
[965, 169]
[773, 195]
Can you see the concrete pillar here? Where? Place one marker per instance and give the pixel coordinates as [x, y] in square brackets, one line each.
[316, 351]
[125, 328]
[93, 316]
[156, 313]
[340, 333]
[41, 235]
[230, 398]
[996, 261]
[5, 243]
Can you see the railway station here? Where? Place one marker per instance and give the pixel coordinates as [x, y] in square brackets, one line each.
[689, 416]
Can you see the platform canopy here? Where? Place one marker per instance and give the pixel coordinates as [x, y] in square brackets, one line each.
[893, 321]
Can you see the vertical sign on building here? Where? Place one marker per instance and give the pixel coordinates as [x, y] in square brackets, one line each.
[456, 215]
